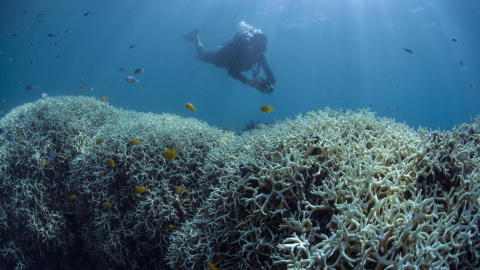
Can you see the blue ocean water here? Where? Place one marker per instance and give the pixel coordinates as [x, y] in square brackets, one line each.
[342, 54]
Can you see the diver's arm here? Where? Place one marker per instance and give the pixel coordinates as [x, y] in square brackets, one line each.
[268, 72]
[258, 83]
[239, 76]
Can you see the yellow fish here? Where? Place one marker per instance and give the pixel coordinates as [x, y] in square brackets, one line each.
[171, 226]
[104, 99]
[106, 204]
[211, 266]
[134, 142]
[140, 190]
[43, 163]
[100, 140]
[179, 190]
[20, 137]
[3, 100]
[110, 162]
[83, 79]
[266, 109]
[169, 154]
[82, 87]
[72, 197]
[190, 107]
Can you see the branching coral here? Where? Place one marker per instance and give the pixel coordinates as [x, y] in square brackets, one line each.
[328, 190]
[40, 217]
[334, 190]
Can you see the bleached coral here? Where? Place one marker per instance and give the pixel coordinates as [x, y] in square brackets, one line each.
[328, 190]
[334, 190]
[133, 232]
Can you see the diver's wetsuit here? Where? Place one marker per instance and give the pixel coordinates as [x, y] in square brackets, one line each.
[238, 55]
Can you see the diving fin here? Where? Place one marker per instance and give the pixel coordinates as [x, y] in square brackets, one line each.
[192, 36]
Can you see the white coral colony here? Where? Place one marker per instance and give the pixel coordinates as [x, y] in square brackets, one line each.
[328, 190]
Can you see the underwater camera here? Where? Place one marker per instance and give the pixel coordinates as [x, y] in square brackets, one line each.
[269, 88]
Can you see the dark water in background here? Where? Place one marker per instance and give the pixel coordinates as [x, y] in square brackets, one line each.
[324, 53]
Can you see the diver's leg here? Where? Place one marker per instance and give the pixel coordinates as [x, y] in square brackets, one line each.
[211, 58]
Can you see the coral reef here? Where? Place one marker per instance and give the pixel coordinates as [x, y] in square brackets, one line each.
[329, 190]
[339, 191]
[37, 215]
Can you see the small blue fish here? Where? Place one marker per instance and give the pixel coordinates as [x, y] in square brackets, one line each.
[43, 95]
[2, 130]
[408, 50]
[51, 154]
[51, 35]
[131, 79]
[53, 44]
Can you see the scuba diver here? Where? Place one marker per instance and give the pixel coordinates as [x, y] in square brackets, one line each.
[242, 53]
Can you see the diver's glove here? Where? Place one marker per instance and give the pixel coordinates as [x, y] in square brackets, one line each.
[262, 85]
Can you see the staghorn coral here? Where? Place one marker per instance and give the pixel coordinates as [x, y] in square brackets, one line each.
[39, 218]
[339, 191]
[328, 190]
